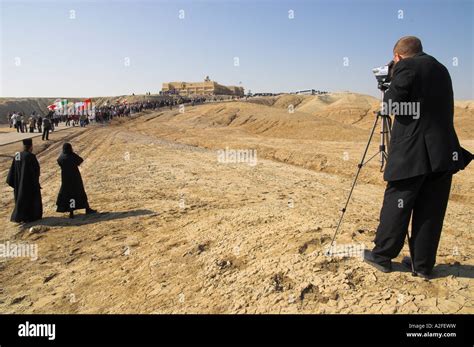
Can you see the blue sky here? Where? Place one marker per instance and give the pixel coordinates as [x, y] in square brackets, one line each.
[46, 53]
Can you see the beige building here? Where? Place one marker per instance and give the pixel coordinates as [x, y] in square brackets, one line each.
[207, 87]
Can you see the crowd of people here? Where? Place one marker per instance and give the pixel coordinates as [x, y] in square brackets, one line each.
[100, 114]
[22, 123]
[35, 122]
[107, 112]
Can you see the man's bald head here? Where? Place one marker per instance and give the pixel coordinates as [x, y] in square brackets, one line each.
[408, 46]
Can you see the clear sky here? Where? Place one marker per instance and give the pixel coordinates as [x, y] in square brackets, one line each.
[100, 48]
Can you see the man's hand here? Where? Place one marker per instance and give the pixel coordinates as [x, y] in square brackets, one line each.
[401, 83]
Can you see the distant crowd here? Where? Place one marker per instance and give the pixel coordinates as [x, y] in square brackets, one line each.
[106, 113]
[102, 114]
[34, 122]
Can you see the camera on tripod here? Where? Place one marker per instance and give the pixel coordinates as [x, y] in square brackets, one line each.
[383, 75]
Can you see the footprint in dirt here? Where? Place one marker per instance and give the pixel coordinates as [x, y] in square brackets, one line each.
[312, 293]
[309, 246]
[197, 250]
[50, 277]
[329, 265]
[313, 244]
[18, 299]
[229, 263]
[280, 283]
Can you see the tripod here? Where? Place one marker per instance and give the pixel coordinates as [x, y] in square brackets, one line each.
[385, 134]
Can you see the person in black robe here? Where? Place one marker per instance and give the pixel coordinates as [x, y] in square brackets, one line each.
[23, 177]
[72, 195]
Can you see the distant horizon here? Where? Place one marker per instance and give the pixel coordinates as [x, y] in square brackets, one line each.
[116, 48]
[124, 95]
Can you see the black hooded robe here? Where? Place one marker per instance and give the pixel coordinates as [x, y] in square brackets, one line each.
[23, 177]
[72, 195]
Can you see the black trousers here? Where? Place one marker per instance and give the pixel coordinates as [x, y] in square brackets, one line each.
[423, 199]
[45, 135]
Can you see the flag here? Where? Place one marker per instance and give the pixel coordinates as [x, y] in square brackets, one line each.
[51, 107]
[70, 107]
[58, 103]
[88, 101]
[78, 105]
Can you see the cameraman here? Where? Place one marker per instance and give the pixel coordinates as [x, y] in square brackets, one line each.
[424, 153]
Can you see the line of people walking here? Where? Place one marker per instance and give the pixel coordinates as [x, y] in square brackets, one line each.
[45, 124]
[35, 122]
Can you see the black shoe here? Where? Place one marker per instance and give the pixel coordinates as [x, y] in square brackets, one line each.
[369, 259]
[406, 262]
[90, 211]
[71, 215]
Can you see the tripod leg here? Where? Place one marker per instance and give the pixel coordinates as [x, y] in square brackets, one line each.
[410, 249]
[359, 167]
[412, 255]
[384, 140]
[389, 129]
[382, 144]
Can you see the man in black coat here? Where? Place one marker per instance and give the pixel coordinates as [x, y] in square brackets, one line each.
[23, 177]
[424, 153]
[72, 195]
[47, 126]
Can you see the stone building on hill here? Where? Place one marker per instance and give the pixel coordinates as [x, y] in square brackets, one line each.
[207, 87]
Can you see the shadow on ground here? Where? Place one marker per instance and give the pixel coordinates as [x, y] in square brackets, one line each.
[443, 270]
[83, 219]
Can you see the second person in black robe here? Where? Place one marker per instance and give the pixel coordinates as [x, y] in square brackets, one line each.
[72, 195]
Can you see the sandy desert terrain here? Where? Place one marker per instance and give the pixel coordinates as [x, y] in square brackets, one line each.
[181, 231]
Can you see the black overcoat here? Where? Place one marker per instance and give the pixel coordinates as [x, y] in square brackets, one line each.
[23, 177]
[72, 195]
[425, 142]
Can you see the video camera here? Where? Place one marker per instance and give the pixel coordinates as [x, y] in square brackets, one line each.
[383, 75]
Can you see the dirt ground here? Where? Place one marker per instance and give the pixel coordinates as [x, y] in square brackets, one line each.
[182, 230]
